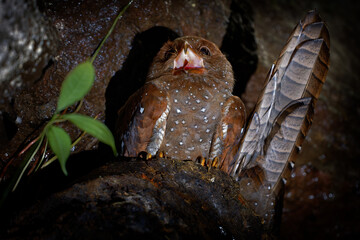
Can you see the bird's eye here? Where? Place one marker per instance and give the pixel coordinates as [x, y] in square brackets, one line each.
[171, 51]
[205, 51]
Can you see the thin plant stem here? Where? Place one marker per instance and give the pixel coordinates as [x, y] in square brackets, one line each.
[47, 163]
[28, 146]
[110, 31]
[43, 155]
[51, 160]
[79, 105]
[28, 162]
[18, 155]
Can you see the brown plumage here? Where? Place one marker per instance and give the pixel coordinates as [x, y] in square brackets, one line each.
[186, 108]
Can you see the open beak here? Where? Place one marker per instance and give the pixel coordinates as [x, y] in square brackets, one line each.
[187, 59]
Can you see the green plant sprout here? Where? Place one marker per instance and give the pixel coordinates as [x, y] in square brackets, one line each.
[74, 88]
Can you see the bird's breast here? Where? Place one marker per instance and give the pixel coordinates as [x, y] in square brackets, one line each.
[194, 115]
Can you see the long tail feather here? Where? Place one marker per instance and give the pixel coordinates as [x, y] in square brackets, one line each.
[283, 113]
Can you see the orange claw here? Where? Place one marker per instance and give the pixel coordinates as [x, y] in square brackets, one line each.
[148, 156]
[202, 161]
[215, 162]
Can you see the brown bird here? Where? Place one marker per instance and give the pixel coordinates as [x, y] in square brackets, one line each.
[186, 109]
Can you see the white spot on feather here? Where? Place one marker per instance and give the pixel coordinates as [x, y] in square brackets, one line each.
[284, 180]
[292, 164]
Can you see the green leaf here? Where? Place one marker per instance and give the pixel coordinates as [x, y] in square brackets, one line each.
[60, 144]
[76, 85]
[93, 127]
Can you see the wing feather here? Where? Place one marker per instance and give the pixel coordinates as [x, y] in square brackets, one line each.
[142, 121]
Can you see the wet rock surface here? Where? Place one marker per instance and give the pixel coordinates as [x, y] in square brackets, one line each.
[27, 44]
[156, 199]
[322, 197]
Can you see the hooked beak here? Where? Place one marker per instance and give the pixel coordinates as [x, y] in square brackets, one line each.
[187, 59]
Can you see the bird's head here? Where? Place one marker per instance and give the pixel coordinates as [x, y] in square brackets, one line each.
[191, 55]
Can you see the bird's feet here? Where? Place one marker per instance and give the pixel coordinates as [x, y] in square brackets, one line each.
[209, 163]
[147, 156]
